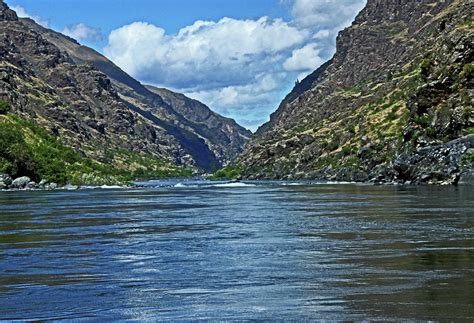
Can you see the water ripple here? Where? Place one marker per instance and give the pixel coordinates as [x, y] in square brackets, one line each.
[257, 250]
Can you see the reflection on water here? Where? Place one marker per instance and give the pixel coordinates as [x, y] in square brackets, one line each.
[268, 250]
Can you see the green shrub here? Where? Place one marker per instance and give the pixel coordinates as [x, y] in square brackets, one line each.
[229, 172]
[333, 145]
[431, 132]
[16, 156]
[467, 74]
[391, 116]
[423, 120]
[351, 129]
[347, 150]
[426, 66]
[4, 107]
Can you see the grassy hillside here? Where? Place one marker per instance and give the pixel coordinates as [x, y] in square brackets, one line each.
[28, 150]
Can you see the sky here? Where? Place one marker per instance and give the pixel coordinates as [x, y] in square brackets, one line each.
[240, 57]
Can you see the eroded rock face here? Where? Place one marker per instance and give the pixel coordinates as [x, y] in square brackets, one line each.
[6, 13]
[389, 106]
[80, 96]
[441, 164]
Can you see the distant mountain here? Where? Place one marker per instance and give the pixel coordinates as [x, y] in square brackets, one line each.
[223, 135]
[394, 104]
[90, 104]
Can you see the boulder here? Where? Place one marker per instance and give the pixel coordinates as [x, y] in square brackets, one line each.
[43, 182]
[31, 185]
[51, 186]
[5, 178]
[20, 182]
[5, 181]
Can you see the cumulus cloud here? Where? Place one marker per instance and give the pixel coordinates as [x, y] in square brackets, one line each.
[241, 68]
[78, 31]
[325, 14]
[205, 54]
[325, 18]
[21, 12]
[306, 58]
[82, 32]
[242, 98]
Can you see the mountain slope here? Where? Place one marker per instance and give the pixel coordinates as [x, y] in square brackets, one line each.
[93, 106]
[393, 104]
[222, 136]
[213, 127]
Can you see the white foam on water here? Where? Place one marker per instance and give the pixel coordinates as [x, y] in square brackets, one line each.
[110, 187]
[233, 185]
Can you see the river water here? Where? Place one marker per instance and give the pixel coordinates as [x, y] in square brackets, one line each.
[261, 250]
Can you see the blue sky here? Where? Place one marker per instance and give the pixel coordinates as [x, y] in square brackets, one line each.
[240, 57]
[171, 15]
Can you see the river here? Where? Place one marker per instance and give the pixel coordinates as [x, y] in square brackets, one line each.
[261, 250]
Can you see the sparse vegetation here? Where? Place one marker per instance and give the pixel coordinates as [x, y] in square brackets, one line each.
[426, 66]
[467, 74]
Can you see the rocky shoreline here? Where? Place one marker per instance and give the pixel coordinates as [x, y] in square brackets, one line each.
[438, 164]
[450, 163]
[24, 183]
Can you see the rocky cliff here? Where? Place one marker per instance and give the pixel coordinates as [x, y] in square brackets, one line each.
[394, 104]
[91, 105]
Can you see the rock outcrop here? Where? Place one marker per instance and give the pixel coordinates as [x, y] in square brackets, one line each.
[81, 97]
[394, 104]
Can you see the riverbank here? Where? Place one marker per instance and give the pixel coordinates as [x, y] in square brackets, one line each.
[24, 183]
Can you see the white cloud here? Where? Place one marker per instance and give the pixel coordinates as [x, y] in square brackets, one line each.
[325, 18]
[78, 31]
[231, 65]
[240, 68]
[136, 47]
[325, 14]
[306, 58]
[82, 32]
[322, 34]
[205, 54]
[242, 98]
[21, 12]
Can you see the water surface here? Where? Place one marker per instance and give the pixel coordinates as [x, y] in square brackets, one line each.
[266, 250]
